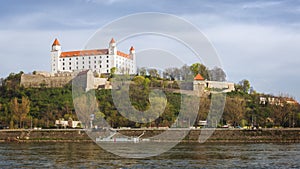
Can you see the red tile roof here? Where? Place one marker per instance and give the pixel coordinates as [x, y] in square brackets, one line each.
[123, 54]
[90, 53]
[198, 77]
[84, 53]
[112, 40]
[132, 48]
[56, 42]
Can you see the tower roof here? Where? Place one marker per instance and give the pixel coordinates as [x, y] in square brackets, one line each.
[112, 40]
[132, 48]
[56, 42]
[198, 77]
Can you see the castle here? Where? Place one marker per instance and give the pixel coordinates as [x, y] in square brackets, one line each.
[88, 65]
[97, 60]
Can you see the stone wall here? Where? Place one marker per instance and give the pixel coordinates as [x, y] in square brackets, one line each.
[43, 135]
[203, 84]
[233, 135]
[58, 80]
[48, 81]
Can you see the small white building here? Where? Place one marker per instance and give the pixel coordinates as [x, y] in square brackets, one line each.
[201, 84]
[70, 123]
[97, 60]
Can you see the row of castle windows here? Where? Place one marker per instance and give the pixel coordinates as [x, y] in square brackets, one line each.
[70, 68]
[84, 58]
[70, 63]
[82, 68]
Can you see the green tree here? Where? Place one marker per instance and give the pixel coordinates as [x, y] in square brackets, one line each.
[201, 69]
[245, 85]
[113, 72]
[25, 108]
[14, 109]
[20, 111]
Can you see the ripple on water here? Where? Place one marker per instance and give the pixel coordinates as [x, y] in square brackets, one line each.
[185, 155]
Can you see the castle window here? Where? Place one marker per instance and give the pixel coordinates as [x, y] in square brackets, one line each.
[95, 57]
[76, 58]
[106, 56]
[76, 63]
[63, 59]
[82, 67]
[107, 66]
[95, 66]
[107, 61]
[63, 68]
[100, 66]
[76, 67]
[69, 63]
[63, 63]
[89, 57]
[82, 62]
[89, 62]
[70, 68]
[107, 71]
[95, 62]
[70, 59]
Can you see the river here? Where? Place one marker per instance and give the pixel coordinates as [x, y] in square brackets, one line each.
[184, 155]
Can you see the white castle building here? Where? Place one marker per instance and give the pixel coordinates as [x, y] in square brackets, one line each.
[97, 60]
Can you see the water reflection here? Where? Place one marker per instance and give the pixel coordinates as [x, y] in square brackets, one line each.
[185, 155]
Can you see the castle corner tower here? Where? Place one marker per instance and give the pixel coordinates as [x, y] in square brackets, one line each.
[132, 56]
[55, 53]
[112, 47]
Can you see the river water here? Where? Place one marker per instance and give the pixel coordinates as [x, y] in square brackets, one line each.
[184, 155]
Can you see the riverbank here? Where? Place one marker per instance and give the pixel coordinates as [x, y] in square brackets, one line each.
[286, 135]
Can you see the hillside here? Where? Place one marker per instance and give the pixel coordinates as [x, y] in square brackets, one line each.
[40, 107]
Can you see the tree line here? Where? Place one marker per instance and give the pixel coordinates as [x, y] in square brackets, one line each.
[186, 73]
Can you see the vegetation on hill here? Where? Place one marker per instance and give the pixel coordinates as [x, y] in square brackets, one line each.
[40, 107]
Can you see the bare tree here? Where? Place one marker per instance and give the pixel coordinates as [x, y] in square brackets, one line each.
[217, 74]
[85, 105]
[234, 110]
[142, 71]
[186, 72]
[153, 73]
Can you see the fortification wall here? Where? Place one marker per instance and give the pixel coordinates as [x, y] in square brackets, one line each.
[40, 80]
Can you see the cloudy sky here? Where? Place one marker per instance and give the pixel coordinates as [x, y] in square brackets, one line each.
[255, 40]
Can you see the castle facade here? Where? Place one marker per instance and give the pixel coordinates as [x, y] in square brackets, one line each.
[96, 60]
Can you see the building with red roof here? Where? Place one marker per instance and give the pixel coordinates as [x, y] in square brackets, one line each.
[198, 77]
[97, 60]
[201, 84]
